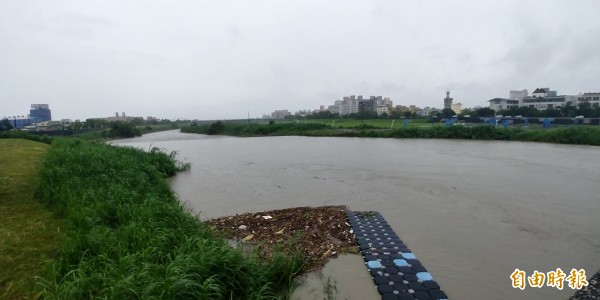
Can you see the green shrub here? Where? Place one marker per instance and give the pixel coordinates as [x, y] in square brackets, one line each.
[121, 129]
[17, 134]
[237, 129]
[216, 128]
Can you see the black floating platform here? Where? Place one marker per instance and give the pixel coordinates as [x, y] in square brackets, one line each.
[395, 269]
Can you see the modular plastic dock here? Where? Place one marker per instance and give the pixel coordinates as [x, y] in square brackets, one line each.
[395, 269]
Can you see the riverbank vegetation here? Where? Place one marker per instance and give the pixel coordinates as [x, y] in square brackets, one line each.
[128, 236]
[240, 129]
[16, 134]
[570, 135]
[92, 129]
[581, 135]
[29, 233]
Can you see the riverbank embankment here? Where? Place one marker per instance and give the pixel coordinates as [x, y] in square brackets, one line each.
[128, 236]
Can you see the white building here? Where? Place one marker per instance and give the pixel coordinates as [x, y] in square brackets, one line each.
[428, 111]
[592, 98]
[544, 98]
[346, 106]
[382, 109]
[515, 97]
[518, 95]
[456, 107]
[503, 103]
[334, 109]
[386, 101]
[383, 105]
[280, 114]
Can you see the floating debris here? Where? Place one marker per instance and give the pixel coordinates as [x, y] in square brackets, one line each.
[318, 233]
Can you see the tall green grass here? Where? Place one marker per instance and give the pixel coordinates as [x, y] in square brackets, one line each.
[130, 238]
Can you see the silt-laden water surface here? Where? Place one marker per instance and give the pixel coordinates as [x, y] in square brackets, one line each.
[471, 211]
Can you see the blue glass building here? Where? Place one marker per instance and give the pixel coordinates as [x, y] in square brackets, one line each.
[40, 113]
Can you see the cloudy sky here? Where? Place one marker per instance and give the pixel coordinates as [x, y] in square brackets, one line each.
[223, 59]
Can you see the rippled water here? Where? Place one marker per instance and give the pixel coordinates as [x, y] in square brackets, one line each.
[472, 211]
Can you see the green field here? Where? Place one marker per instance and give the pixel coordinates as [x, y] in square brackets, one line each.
[29, 232]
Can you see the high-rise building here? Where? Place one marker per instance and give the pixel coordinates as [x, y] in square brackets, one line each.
[353, 104]
[40, 113]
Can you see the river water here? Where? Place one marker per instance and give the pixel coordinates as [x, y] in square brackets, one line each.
[471, 211]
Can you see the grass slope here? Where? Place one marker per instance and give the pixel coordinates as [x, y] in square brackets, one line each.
[29, 233]
[128, 237]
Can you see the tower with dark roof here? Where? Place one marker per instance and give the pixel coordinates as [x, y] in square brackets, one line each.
[448, 100]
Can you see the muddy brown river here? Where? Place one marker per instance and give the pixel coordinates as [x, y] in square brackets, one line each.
[471, 211]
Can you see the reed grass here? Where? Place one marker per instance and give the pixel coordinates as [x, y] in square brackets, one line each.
[129, 237]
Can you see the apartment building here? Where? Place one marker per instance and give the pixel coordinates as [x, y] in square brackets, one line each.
[354, 104]
[592, 98]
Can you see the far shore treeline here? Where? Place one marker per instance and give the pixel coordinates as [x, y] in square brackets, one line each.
[93, 129]
[580, 135]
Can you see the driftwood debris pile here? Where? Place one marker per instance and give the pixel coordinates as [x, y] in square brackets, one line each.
[319, 233]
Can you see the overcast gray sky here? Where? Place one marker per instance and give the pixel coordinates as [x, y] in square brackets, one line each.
[221, 59]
